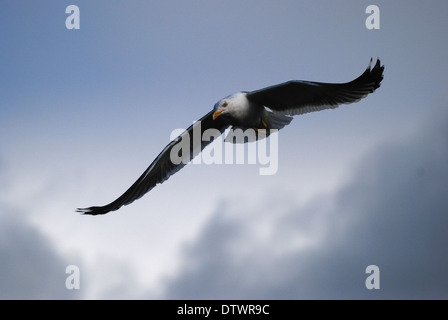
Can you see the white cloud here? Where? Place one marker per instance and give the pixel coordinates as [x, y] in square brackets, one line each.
[30, 267]
[392, 214]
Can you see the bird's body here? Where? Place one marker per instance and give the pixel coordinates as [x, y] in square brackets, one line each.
[264, 109]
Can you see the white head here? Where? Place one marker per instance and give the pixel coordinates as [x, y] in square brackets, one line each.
[231, 105]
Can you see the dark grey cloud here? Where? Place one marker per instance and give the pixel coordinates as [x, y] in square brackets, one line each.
[393, 214]
[30, 267]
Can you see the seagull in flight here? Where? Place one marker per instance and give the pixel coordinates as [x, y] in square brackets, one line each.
[262, 110]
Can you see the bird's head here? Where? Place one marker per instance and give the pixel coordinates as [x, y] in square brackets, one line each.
[233, 109]
[220, 108]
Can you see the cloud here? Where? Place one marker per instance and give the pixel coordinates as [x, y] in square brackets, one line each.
[30, 267]
[393, 214]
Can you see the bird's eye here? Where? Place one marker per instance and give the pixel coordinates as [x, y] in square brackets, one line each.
[224, 105]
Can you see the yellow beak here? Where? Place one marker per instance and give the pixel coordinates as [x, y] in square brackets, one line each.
[216, 114]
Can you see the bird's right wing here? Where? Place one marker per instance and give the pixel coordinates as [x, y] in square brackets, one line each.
[298, 97]
[163, 167]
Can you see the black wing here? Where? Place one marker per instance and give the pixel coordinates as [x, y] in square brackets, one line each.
[162, 167]
[298, 97]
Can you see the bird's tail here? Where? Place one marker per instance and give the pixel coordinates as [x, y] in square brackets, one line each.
[275, 120]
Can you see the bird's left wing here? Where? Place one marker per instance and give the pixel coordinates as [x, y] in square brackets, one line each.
[298, 97]
[163, 167]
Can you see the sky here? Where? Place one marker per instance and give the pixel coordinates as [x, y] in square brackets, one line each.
[83, 112]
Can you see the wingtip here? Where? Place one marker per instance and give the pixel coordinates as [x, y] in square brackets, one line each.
[82, 210]
[88, 211]
[95, 211]
[376, 66]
